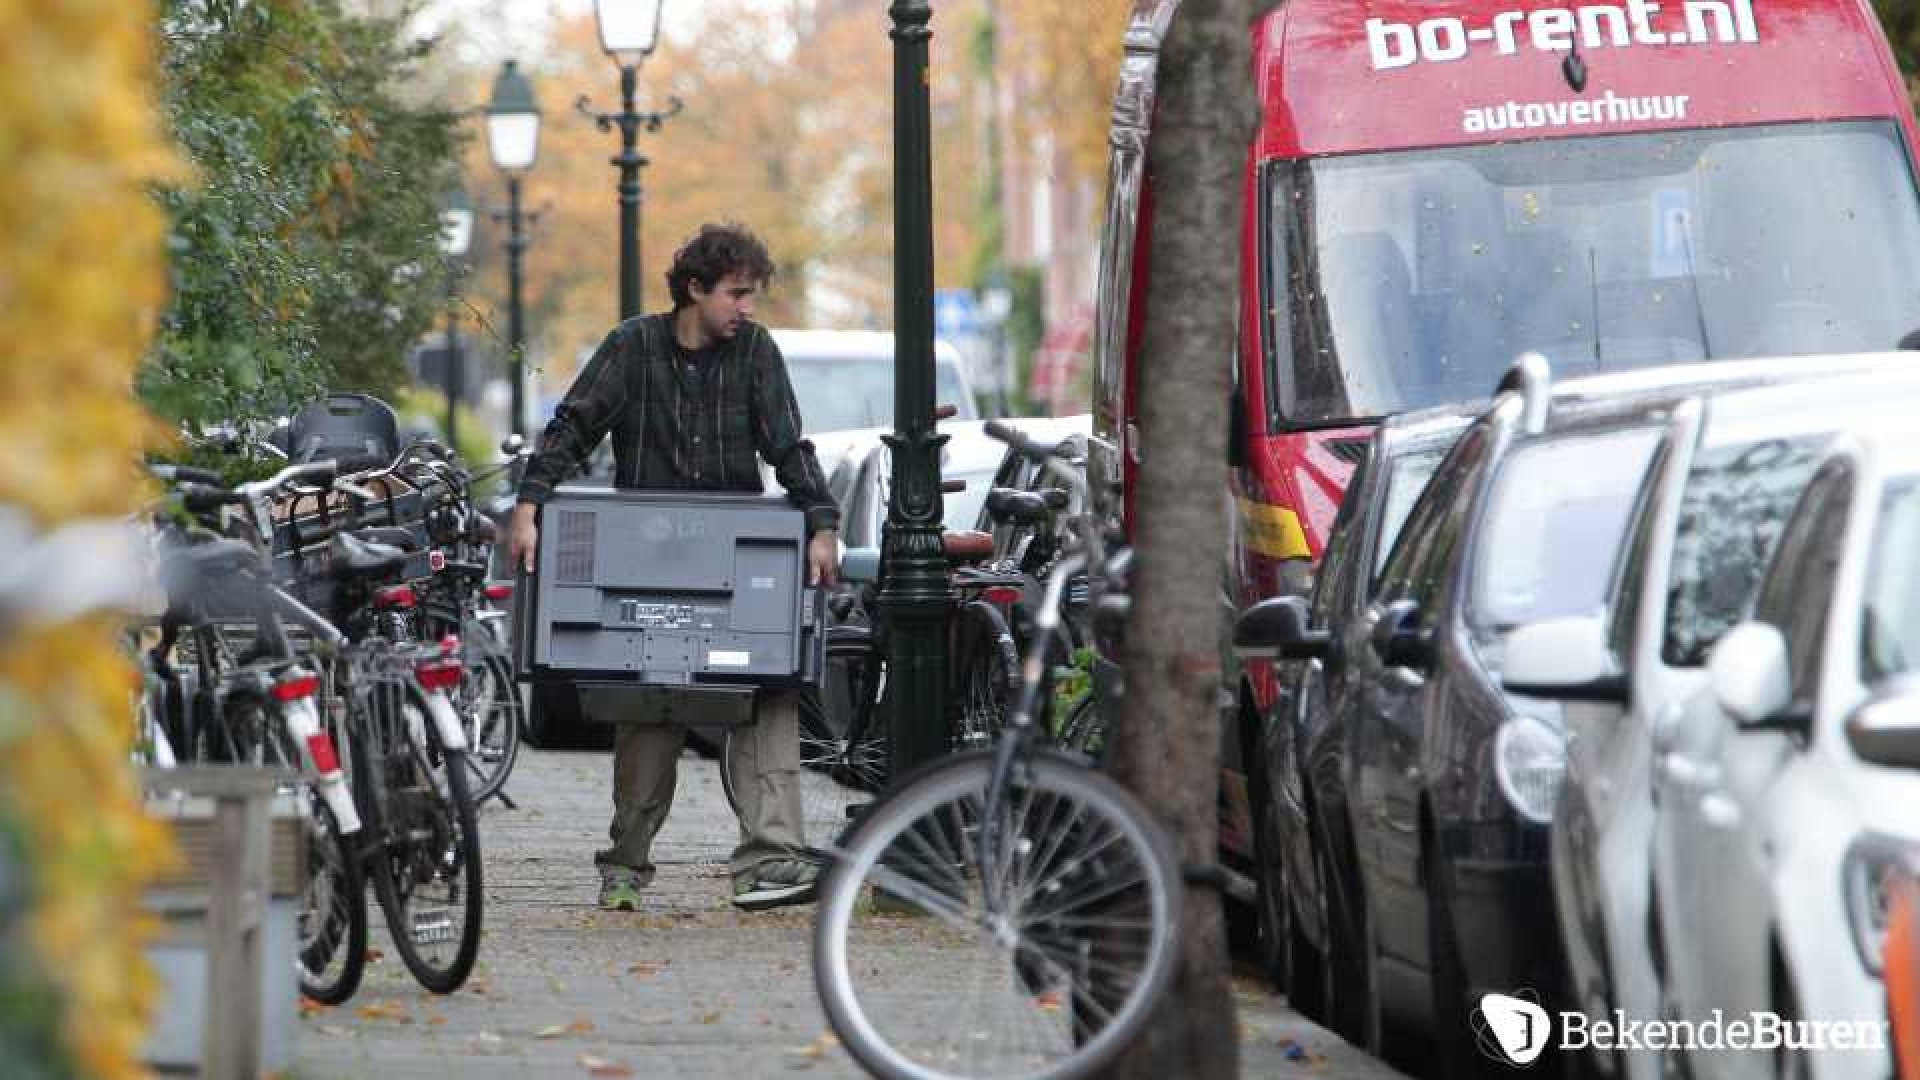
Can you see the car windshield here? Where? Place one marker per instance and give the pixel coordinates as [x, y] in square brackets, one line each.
[1554, 526]
[838, 393]
[1400, 280]
[1890, 617]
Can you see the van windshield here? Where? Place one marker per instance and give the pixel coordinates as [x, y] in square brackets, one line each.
[838, 393]
[1400, 280]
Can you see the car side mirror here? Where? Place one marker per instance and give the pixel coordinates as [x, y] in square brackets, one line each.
[1564, 659]
[1751, 679]
[1398, 638]
[1279, 628]
[860, 565]
[1886, 730]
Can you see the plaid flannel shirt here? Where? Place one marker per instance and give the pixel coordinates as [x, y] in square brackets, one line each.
[679, 424]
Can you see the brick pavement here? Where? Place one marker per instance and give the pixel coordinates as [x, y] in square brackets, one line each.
[688, 987]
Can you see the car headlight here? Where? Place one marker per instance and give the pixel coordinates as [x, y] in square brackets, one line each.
[1872, 864]
[1530, 763]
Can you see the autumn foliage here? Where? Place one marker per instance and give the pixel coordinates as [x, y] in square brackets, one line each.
[82, 277]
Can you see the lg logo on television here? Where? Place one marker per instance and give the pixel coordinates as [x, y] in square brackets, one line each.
[1512, 1030]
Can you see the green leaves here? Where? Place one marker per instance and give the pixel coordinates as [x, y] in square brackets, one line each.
[305, 256]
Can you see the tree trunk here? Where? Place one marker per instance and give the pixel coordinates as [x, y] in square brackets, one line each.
[1167, 746]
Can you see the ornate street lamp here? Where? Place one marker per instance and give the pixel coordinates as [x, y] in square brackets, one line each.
[456, 236]
[629, 31]
[917, 598]
[513, 141]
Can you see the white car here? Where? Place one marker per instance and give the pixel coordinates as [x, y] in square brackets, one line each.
[1787, 794]
[843, 382]
[1729, 473]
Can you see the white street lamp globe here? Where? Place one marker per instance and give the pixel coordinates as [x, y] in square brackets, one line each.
[456, 230]
[629, 29]
[513, 121]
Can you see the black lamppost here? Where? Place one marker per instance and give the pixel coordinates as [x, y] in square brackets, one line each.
[456, 236]
[917, 599]
[629, 30]
[513, 141]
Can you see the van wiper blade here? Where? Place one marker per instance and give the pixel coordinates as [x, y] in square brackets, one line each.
[1693, 283]
[1593, 280]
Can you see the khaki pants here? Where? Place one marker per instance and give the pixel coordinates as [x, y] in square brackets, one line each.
[646, 759]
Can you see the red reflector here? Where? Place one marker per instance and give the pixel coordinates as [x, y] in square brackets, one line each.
[1002, 595]
[436, 560]
[499, 592]
[438, 676]
[397, 596]
[324, 759]
[300, 686]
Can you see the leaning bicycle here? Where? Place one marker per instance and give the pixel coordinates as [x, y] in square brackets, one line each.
[1047, 898]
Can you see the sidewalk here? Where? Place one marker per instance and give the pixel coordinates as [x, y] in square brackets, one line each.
[688, 987]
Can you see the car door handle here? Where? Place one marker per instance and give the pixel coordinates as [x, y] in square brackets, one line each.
[1719, 812]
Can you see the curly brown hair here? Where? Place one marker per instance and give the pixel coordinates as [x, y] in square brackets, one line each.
[711, 254]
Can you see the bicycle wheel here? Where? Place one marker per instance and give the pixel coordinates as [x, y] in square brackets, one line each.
[986, 675]
[1085, 730]
[332, 924]
[489, 705]
[1052, 979]
[843, 763]
[427, 871]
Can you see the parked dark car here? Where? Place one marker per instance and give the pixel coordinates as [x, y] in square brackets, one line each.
[1400, 457]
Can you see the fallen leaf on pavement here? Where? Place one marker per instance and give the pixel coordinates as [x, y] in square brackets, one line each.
[644, 969]
[330, 1029]
[817, 1047]
[580, 1027]
[384, 1010]
[710, 1018]
[310, 1007]
[489, 1037]
[552, 1031]
[1049, 1001]
[602, 1067]
[436, 1020]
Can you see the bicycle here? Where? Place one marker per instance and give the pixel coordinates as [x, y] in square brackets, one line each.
[245, 694]
[1051, 897]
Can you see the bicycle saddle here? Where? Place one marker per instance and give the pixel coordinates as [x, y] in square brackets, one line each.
[350, 555]
[1011, 506]
[966, 545]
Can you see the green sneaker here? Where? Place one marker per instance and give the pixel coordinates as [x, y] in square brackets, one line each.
[619, 890]
[776, 883]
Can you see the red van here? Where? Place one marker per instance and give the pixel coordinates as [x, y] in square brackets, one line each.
[1439, 185]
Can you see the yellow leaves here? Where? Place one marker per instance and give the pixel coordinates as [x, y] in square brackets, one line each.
[81, 282]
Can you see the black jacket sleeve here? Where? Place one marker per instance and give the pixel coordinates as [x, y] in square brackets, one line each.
[776, 434]
[591, 407]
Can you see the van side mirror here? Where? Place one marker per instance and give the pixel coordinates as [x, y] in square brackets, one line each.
[1886, 730]
[1751, 678]
[1237, 429]
[1400, 640]
[1279, 628]
[1564, 659]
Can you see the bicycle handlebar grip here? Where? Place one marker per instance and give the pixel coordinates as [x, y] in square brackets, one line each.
[186, 474]
[1008, 434]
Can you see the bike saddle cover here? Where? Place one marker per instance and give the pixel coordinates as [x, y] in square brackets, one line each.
[1011, 506]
